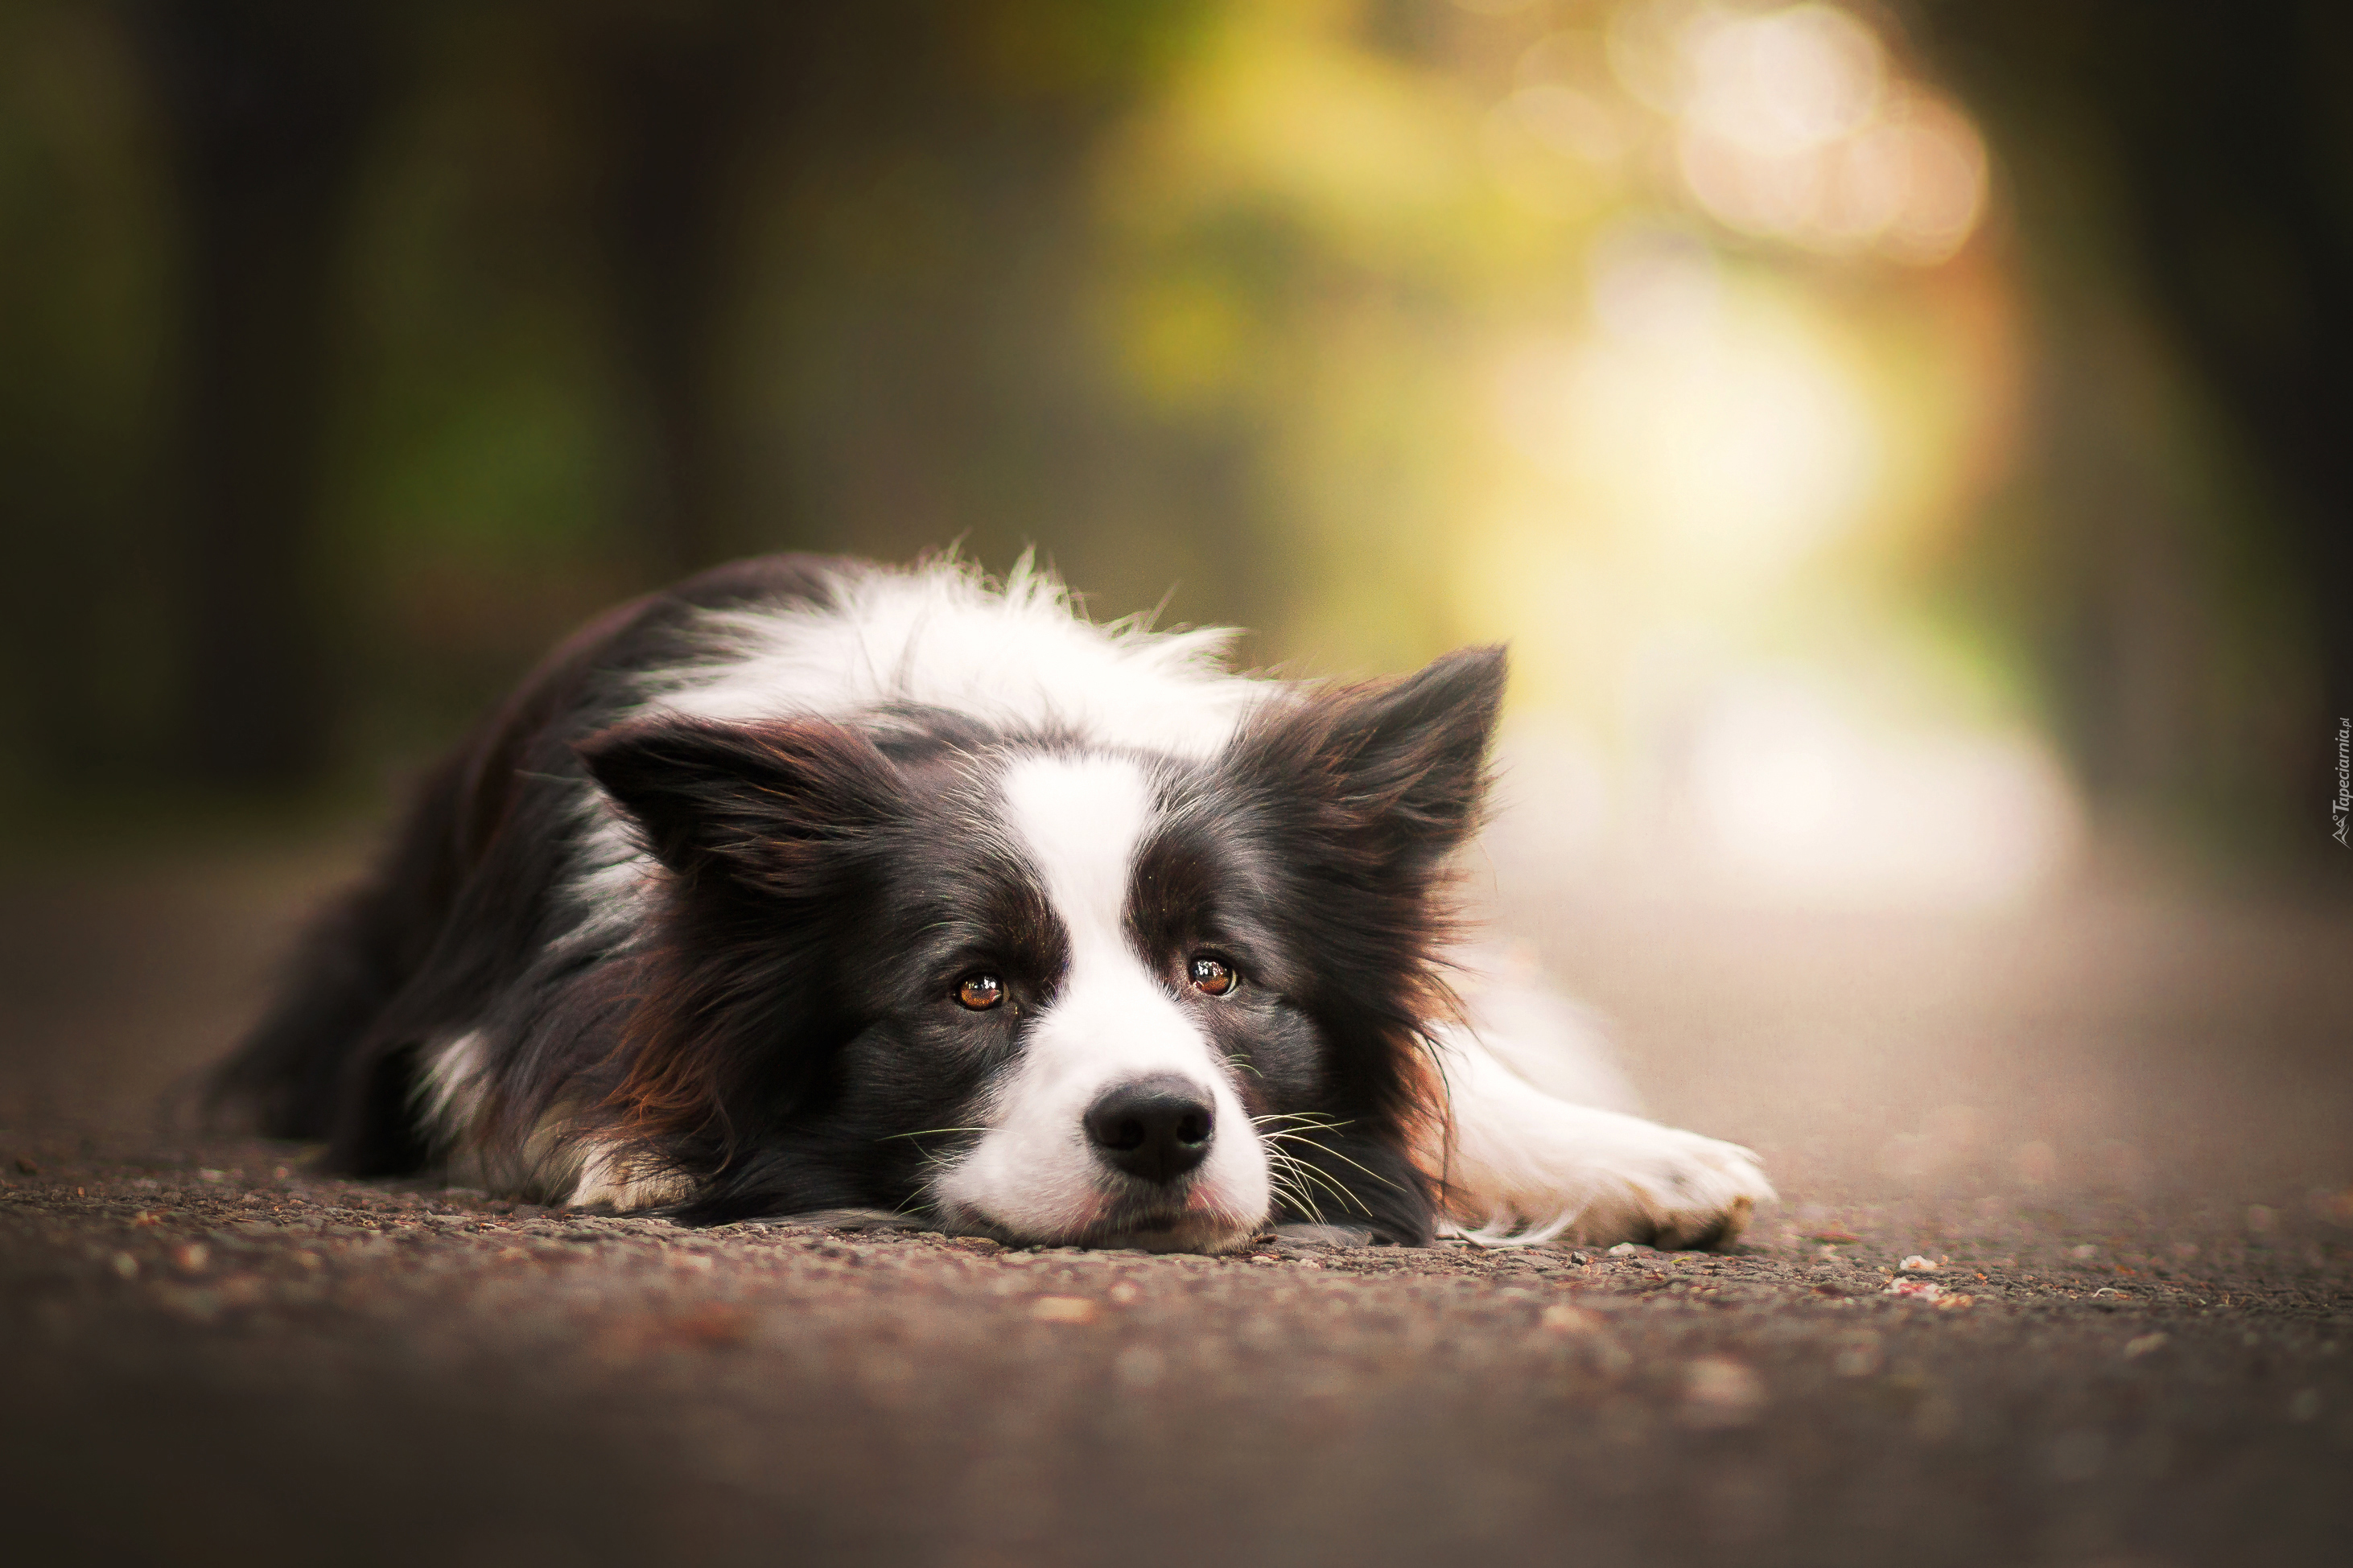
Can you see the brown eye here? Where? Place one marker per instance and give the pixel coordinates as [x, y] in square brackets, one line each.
[1211, 977]
[980, 992]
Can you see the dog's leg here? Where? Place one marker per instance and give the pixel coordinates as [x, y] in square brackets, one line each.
[1525, 1165]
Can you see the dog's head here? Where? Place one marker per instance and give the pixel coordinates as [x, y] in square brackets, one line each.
[1046, 989]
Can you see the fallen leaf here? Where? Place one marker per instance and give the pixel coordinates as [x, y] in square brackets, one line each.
[712, 1323]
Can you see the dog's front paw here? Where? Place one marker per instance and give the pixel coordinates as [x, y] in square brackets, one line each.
[1525, 1168]
[1690, 1191]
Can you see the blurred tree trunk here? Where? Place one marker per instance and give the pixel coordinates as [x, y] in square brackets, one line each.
[674, 91]
[2224, 136]
[266, 106]
[2238, 157]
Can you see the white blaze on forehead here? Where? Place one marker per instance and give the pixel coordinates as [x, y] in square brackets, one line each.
[1079, 821]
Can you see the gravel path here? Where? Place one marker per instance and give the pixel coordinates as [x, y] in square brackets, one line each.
[2117, 1130]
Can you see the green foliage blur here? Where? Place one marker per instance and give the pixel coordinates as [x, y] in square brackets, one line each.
[322, 413]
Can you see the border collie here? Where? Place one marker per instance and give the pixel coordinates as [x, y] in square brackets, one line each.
[815, 885]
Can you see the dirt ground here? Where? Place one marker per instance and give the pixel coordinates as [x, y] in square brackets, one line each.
[2117, 1127]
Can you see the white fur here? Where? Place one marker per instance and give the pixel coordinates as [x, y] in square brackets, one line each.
[449, 1091]
[1540, 1035]
[940, 637]
[609, 1174]
[1080, 820]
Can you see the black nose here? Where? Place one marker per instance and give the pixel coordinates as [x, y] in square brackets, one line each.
[1156, 1128]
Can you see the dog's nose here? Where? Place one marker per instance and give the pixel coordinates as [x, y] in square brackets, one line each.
[1155, 1128]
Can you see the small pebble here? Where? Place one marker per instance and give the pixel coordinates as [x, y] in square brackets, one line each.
[1926, 1290]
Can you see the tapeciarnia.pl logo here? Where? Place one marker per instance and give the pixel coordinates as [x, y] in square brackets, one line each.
[2341, 808]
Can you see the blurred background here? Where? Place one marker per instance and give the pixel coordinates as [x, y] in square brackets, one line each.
[1903, 443]
[1906, 445]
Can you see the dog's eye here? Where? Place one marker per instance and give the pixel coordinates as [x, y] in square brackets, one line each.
[980, 992]
[1211, 976]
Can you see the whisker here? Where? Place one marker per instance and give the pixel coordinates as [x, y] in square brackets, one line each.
[1307, 1173]
[1321, 1176]
[1324, 1149]
[1303, 1118]
[1281, 1173]
[1346, 1199]
[1290, 1176]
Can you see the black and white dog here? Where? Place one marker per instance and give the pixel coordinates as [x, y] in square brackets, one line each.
[817, 885]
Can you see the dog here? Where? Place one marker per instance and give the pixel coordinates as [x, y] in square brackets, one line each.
[813, 884]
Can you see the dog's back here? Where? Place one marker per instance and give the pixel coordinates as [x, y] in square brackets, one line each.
[462, 894]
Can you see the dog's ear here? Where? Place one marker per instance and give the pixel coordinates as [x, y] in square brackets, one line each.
[1401, 768]
[756, 804]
